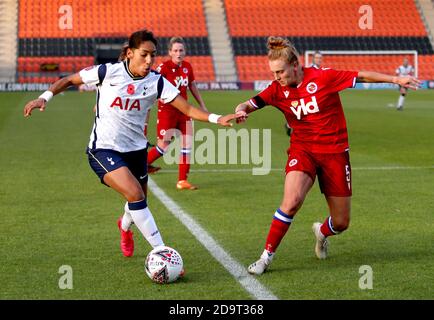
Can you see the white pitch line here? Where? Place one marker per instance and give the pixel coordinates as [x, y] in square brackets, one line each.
[250, 284]
[383, 168]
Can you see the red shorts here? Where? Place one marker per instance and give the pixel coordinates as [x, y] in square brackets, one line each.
[171, 119]
[333, 170]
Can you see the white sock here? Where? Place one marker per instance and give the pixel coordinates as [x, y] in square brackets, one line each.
[144, 220]
[401, 101]
[127, 220]
[267, 256]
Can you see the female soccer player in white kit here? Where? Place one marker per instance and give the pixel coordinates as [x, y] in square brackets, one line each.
[117, 149]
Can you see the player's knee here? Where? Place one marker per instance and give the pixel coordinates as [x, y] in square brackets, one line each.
[341, 224]
[134, 195]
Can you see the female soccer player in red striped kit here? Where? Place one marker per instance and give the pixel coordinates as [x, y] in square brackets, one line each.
[309, 99]
[180, 73]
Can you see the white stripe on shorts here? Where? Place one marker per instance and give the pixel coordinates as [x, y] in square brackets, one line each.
[98, 161]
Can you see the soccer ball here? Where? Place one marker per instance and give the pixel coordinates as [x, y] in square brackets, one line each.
[164, 265]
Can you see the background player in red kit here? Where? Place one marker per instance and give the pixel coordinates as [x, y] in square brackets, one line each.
[180, 73]
[309, 99]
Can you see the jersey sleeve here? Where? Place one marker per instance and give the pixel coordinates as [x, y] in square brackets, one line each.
[264, 98]
[167, 92]
[160, 68]
[338, 80]
[94, 75]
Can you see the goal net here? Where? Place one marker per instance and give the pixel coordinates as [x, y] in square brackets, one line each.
[379, 61]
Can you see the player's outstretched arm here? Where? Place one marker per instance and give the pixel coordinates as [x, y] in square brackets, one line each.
[182, 105]
[407, 81]
[244, 109]
[57, 87]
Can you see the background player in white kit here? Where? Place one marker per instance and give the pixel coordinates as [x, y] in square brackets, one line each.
[317, 59]
[117, 147]
[403, 71]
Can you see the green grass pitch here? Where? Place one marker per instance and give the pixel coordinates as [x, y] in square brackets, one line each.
[55, 212]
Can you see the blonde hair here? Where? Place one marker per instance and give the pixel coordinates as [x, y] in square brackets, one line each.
[281, 48]
[174, 40]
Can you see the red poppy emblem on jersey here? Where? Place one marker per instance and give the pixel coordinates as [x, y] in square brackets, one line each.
[311, 87]
[131, 89]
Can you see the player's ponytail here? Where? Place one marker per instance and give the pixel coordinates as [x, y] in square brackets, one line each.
[281, 48]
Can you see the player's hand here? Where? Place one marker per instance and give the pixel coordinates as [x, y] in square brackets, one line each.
[34, 104]
[242, 116]
[241, 110]
[226, 120]
[409, 82]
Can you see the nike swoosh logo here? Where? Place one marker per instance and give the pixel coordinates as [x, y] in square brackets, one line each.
[114, 84]
[143, 177]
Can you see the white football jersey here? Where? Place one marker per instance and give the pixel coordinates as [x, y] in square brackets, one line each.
[405, 71]
[122, 102]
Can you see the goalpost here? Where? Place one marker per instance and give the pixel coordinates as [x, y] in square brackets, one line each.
[335, 53]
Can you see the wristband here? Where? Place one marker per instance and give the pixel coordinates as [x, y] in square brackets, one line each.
[213, 118]
[47, 95]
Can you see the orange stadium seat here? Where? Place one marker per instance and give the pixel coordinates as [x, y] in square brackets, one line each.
[321, 18]
[67, 65]
[251, 68]
[247, 20]
[90, 18]
[426, 67]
